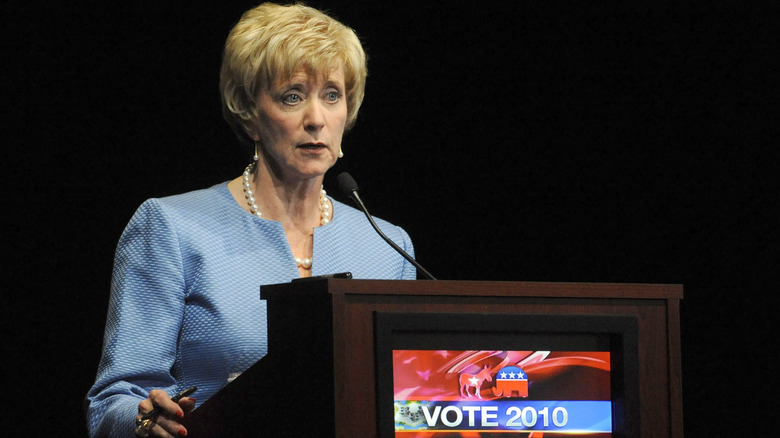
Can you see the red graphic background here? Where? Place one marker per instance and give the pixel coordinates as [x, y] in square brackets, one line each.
[552, 375]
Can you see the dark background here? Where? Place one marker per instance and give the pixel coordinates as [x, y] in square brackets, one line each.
[600, 141]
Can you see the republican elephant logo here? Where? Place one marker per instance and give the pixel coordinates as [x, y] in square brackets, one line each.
[511, 381]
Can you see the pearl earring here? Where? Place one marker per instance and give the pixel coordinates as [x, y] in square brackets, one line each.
[341, 153]
[255, 157]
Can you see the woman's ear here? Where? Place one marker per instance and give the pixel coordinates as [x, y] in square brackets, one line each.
[253, 133]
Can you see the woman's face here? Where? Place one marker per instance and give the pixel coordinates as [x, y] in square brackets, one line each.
[301, 123]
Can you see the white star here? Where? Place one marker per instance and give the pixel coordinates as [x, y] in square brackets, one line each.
[474, 381]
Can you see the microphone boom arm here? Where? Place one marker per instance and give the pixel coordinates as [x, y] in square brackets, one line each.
[355, 197]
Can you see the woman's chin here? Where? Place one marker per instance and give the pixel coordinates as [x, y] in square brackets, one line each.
[312, 170]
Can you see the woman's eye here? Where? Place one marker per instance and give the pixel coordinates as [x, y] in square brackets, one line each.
[291, 98]
[332, 96]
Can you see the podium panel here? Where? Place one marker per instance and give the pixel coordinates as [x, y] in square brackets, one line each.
[332, 323]
[484, 375]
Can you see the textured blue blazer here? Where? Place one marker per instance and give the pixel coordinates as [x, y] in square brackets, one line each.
[185, 306]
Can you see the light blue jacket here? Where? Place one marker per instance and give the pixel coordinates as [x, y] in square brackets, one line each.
[185, 306]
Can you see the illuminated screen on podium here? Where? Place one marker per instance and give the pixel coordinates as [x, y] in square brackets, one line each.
[473, 376]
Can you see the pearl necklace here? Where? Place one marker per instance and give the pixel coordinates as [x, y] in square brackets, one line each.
[250, 199]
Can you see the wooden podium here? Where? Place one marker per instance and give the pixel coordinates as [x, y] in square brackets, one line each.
[319, 377]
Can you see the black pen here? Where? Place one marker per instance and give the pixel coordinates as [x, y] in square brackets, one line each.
[175, 399]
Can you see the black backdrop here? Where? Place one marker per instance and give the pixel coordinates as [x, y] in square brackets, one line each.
[531, 140]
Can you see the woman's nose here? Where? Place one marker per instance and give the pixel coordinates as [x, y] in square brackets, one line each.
[314, 116]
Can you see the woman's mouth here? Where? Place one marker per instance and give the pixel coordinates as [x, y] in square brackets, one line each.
[312, 147]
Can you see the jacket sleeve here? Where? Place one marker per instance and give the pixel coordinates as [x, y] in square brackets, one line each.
[145, 313]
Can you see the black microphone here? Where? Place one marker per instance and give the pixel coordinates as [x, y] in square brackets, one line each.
[349, 187]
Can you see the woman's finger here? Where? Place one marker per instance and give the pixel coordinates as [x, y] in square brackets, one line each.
[169, 427]
[166, 423]
[187, 404]
[162, 401]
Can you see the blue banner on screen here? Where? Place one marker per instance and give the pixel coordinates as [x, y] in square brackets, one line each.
[478, 393]
[554, 416]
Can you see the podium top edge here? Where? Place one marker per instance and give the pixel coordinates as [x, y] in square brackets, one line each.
[487, 288]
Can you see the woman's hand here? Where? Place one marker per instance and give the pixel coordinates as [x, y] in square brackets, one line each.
[167, 422]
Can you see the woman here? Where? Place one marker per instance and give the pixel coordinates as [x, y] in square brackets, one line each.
[184, 308]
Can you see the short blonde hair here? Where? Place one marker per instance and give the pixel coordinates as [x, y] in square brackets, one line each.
[270, 43]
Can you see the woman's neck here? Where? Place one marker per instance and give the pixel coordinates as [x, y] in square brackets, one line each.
[293, 202]
[296, 204]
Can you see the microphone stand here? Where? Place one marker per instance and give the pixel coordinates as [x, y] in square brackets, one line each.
[352, 193]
